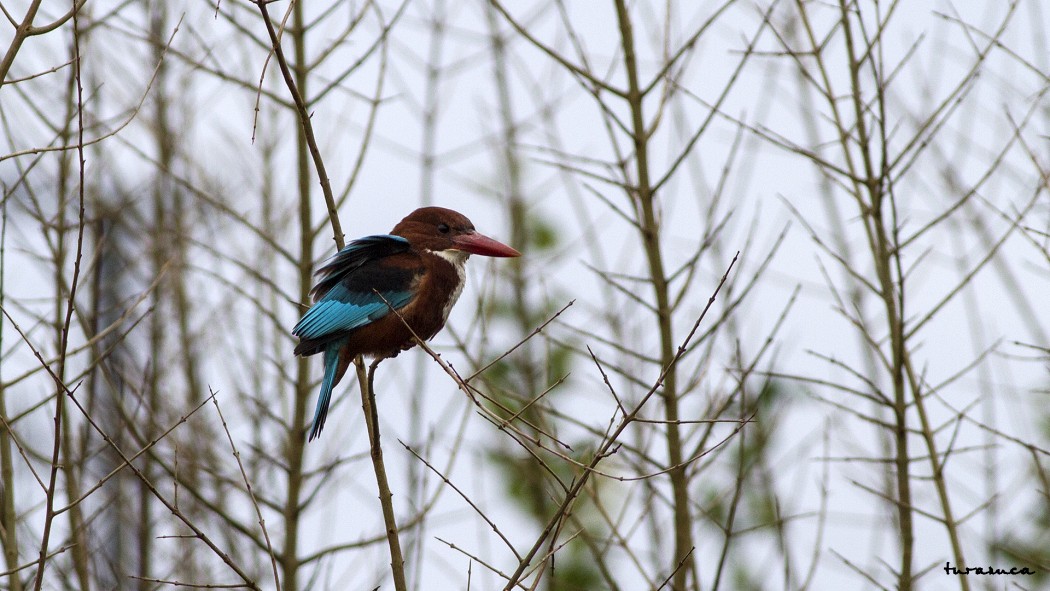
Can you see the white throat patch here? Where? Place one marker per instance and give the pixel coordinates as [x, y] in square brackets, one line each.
[458, 258]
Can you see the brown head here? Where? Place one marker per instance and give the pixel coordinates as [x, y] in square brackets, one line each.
[438, 229]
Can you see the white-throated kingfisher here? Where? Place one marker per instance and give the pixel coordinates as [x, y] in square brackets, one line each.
[418, 269]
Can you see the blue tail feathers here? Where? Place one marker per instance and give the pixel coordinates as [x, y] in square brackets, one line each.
[331, 368]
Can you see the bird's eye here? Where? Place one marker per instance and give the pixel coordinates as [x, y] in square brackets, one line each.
[443, 228]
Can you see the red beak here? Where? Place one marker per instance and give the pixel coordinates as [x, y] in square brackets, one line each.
[475, 243]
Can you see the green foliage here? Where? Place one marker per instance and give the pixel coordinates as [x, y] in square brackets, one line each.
[525, 480]
[746, 482]
[543, 235]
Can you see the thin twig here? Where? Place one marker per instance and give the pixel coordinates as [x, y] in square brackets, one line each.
[371, 414]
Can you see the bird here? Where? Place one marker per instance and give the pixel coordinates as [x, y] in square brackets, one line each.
[418, 269]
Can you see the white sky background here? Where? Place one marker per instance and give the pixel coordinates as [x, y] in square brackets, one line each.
[217, 118]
